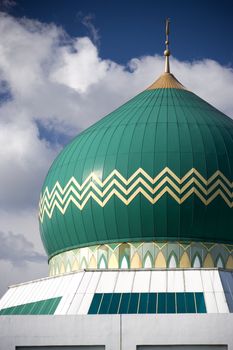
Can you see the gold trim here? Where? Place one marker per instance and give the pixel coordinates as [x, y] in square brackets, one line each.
[229, 264]
[185, 261]
[61, 197]
[113, 263]
[160, 261]
[208, 262]
[136, 261]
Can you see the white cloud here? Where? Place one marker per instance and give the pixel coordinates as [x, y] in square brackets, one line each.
[24, 161]
[24, 225]
[16, 249]
[22, 222]
[62, 84]
[81, 67]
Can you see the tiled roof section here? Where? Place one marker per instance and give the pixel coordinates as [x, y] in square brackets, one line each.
[166, 81]
[73, 293]
[147, 303]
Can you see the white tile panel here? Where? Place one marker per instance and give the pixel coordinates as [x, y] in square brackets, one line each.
[69, 293]
[85, 303]
[193, 281]
[141, 281]
[175, 281]
[81, 299]
[124, 282]
[48, 290]
[66, 281]
[75, 282]
[216, 281]
[78, 296]
[64, 304]
[158, 281]
[94, 282]
[43, 289]
[221, 302]
[75, 304]
[19, 297]
[37, 291]
[210, 301]
[84, 282]
[8, 296]
[32, 289]
[107, 282]
[206, 281]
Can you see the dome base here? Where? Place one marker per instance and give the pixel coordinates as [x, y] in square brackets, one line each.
[133, 255]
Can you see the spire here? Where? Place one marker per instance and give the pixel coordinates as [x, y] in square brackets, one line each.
[167, 51]
[166, 80]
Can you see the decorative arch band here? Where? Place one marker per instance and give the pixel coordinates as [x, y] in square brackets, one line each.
[140, 182]
[134, 255]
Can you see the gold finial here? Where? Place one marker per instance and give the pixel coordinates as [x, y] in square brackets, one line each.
[166, 80]
[167, 51]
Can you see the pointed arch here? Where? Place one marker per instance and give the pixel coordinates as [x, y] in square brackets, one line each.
[124, 263]
[113, 263]
[102, 257]
[136, 261]
[229, 264]
[51, 270]
[172, 261]
[62, 268]
[160, 261]
[57, 271]
[83, 264]
[197, 261]
[124, 254]
[93, 262]
[68, 267]
[148, 261]
[185, 261]
[102, 264]
[219, 261]
[75, 265]
[208, 262]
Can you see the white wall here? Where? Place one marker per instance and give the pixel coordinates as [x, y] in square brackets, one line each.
[116, 332]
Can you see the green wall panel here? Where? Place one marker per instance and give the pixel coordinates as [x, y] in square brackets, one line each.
[42, 307]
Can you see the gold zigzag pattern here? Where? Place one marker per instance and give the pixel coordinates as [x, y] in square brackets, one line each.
[61, 197]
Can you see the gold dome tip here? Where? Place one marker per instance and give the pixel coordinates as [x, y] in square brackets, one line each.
[166, 81]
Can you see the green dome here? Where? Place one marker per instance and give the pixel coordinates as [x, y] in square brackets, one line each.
[157, 168]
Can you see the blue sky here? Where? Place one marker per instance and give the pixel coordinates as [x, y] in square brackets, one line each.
[133, 28]
[66, 64]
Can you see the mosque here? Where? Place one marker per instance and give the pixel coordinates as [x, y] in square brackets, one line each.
[136, 217]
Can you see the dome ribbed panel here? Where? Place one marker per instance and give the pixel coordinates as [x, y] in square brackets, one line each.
[162, 132]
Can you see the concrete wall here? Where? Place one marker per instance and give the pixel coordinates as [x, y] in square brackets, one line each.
[69, 348]
[177, 347]
[117, 332]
